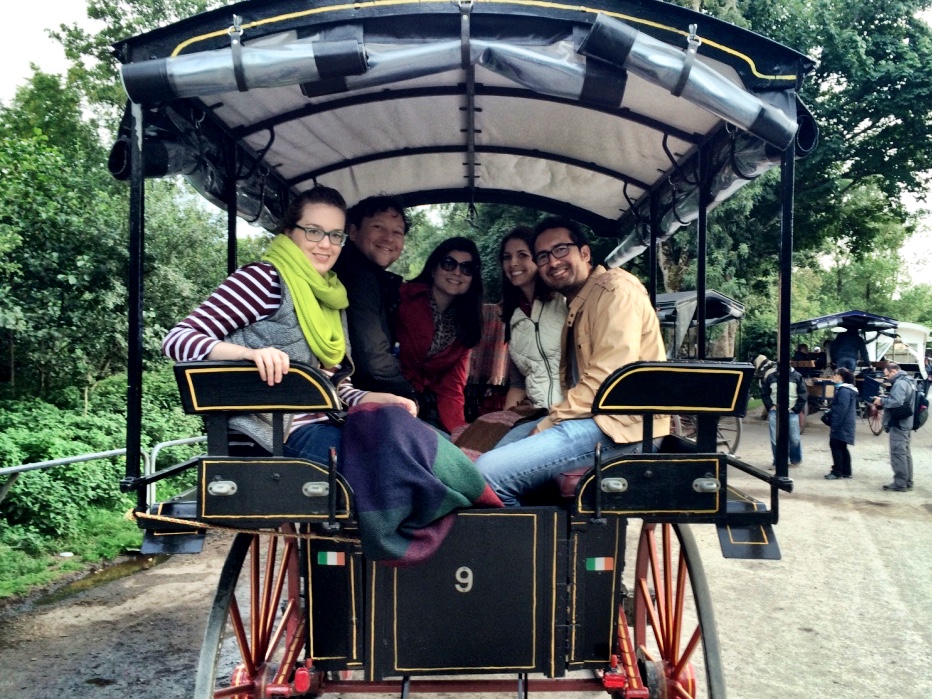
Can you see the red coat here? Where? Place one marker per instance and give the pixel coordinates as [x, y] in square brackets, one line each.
[445, 373]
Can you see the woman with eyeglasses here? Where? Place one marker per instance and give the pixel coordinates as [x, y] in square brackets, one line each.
[288, 307]
[533, 316]
[439, 320]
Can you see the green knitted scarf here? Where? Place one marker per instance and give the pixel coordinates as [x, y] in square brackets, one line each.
[317, 299]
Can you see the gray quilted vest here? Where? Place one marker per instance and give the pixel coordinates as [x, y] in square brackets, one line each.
[281, 330]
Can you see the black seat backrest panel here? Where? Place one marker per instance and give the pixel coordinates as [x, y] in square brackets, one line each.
[676, 387]
[235, 387]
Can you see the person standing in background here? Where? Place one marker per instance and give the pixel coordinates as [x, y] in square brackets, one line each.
[798, 395]
[842, 425]
[899, 425]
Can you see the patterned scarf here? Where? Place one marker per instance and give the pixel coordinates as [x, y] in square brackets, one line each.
[318, 300]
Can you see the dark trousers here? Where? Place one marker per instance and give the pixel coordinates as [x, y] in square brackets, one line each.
[841, 457]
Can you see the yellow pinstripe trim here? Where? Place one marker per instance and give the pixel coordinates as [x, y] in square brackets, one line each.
[737, 373]
[714, 466]
[301, 516]
[527, 3]
[189, 373]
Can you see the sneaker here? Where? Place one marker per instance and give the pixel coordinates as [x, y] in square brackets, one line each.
[909, 486]
[796, 463]
[833, 476]
[849, 476]
[896, 488]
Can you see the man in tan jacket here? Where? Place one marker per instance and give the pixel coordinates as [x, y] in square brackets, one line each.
[611, 323]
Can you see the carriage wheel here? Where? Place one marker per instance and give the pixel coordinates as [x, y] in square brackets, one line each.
[729, 430]
[729, 433]
[874, 418]
[675, 636]
[256, 631]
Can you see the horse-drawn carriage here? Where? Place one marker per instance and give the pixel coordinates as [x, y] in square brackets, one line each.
[634, 118]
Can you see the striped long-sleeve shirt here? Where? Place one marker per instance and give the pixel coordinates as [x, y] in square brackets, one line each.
[252, 293]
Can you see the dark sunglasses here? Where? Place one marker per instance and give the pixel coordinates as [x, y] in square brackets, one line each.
[448, 264]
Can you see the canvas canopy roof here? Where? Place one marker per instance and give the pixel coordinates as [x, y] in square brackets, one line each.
[578, 109]
[857, 320]
[678, 310]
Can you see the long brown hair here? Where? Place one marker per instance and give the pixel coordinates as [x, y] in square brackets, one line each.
[512, 295]
[467, 308]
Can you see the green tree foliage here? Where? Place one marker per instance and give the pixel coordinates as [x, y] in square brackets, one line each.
[93, 62]
[52, 502]
[872, 96]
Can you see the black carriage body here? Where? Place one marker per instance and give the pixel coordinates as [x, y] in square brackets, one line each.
[509, 591]
[635, 117]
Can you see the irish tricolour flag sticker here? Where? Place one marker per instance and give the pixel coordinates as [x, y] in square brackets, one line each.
[600, 564]
[331, 558]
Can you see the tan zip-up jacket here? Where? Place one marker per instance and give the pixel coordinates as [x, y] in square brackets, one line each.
[613, 323]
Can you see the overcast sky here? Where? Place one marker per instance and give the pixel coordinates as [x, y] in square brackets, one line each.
[25, 41]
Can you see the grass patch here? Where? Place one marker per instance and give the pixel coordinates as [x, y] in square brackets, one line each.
[102, 536]
[20, 572]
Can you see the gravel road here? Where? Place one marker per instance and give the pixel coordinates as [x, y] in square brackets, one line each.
[846, 614]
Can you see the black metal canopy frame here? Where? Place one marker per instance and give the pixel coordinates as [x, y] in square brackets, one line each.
[858, 320]
[678, 310]
[635, 117]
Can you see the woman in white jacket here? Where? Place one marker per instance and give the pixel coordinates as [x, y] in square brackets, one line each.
[533, 316]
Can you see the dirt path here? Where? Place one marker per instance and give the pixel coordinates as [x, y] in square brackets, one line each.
[846, 614]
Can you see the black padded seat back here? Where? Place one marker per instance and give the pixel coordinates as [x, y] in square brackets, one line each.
[689, 387]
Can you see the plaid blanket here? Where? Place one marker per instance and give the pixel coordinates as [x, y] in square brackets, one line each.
[488, 363]
[407, 480]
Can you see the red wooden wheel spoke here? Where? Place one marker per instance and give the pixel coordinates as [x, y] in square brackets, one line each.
[678, 656]
[259, 609]
[268, 603]
[657, 603]
[279, 632]
[687, 653]
[680, 692]
[682, 580]
[273, 599]
[655, 623]
[291, 655]
[239, 630]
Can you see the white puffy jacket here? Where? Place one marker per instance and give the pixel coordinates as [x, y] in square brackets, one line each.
[535, 349]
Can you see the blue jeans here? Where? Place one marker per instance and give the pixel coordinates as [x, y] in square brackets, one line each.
[521, 463]
[313, 442]
[796, 447]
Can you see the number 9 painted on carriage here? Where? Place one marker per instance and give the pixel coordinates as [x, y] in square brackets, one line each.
[463, 577]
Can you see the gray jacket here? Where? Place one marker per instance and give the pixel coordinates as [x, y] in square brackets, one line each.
[281, 330]
[902, 392]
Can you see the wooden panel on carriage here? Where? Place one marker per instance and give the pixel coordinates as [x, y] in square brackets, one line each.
[693, 387]
[264, 492]
[490, 600]
[172, 537]
[335, 603]
[597, 559]
[663, 487]
[207, 387]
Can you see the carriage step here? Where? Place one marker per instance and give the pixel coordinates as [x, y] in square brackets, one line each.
[169, 537]
[746, 540]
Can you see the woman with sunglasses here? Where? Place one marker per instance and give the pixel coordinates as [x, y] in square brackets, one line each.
[289, 307]
[533, 316]
[439, 320]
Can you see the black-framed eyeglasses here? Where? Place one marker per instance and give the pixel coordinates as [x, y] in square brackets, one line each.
[315, 235]
[558, 251]
[469, 268]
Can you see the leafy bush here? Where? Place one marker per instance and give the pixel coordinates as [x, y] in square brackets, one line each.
[54, 501]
